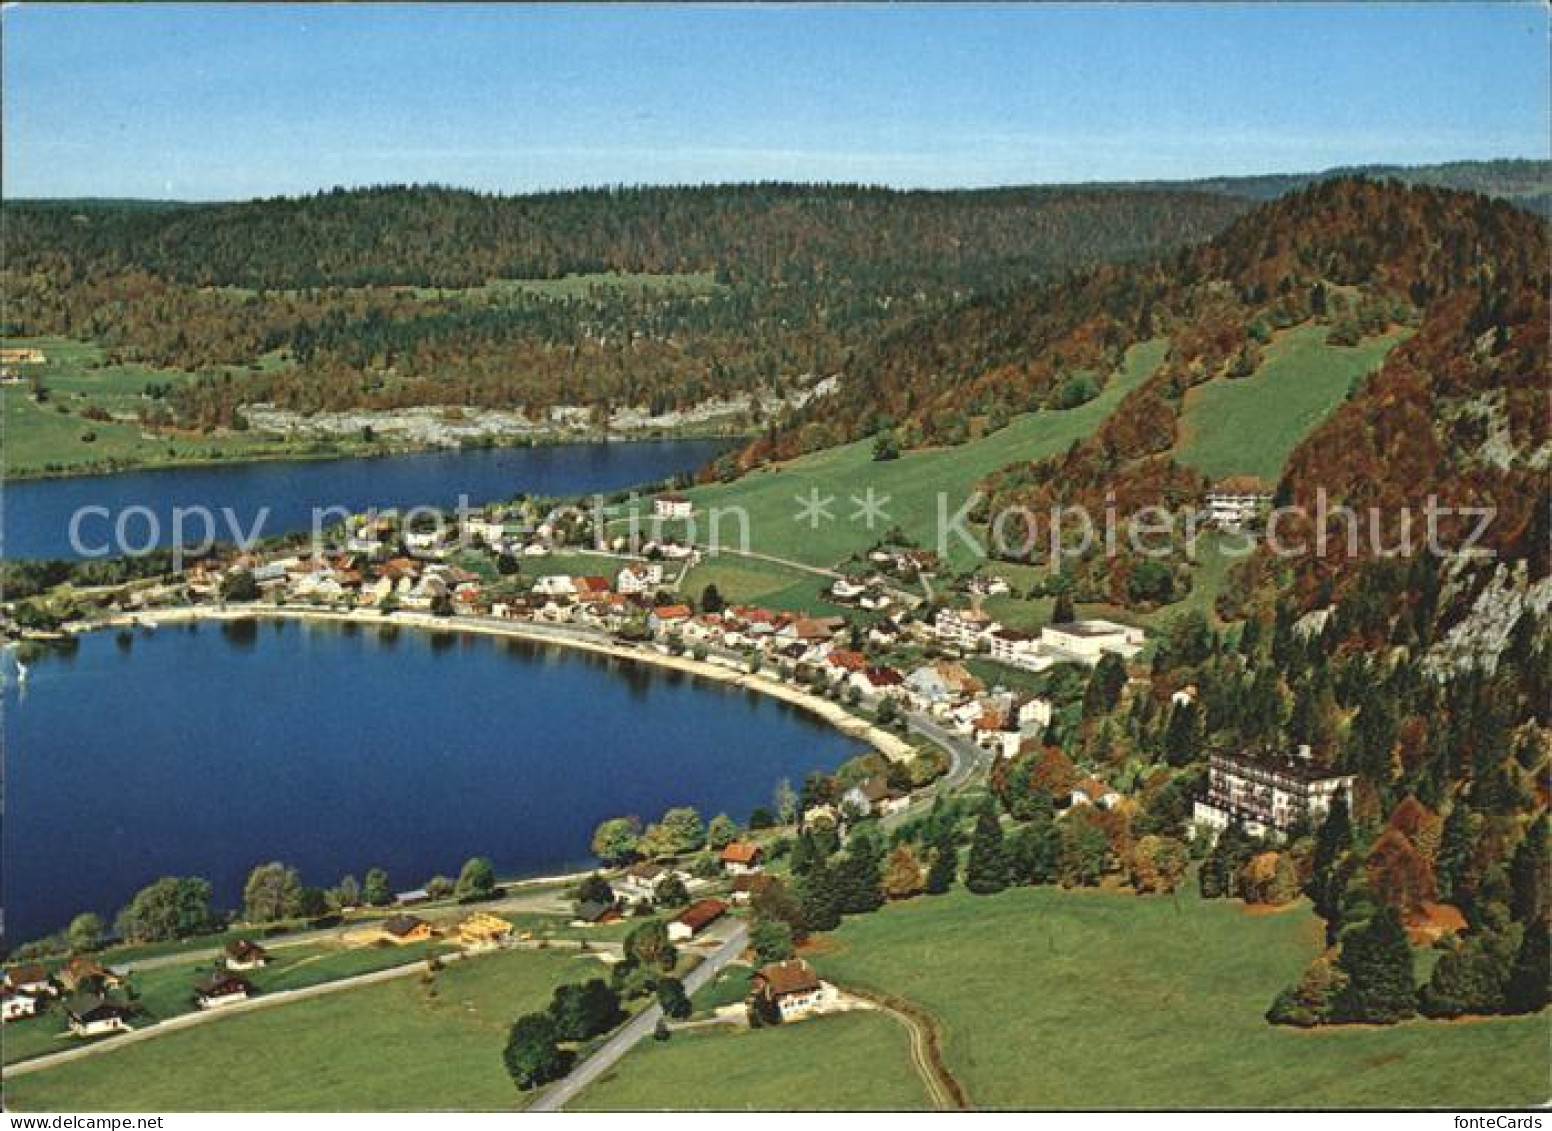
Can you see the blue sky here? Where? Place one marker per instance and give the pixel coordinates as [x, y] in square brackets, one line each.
[219, 103]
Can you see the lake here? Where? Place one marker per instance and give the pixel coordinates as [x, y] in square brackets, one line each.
[206, 750]
[37, 513]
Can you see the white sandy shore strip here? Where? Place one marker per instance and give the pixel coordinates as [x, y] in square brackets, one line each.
[890, 745]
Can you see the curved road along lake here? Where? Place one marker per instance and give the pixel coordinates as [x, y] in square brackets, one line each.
[37, 513]
[210, 749]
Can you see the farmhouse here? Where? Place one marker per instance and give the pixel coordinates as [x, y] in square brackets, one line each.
[672, 506]
[402, 930]
[30, 979]
[641, 577]
[791, 990]
[15, 1006]
[244, 955]
[221, 988]
[695, 918]
[1087, 640]
[1232, 503]
[1267, 794]
[82, 975]
[742, 857]
[592, 912]
[875, 795]
[91, 1015]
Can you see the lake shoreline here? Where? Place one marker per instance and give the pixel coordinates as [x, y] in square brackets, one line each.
[889, 745]
[379, 450]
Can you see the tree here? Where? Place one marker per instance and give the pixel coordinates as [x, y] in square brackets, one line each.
[1527, 987]
[345, 894]
[1157, 863]
[1309, 1002]
[858, 882]
[945, 863]
[987, 869]
[594, 889]
[532, 1056]
[1381, 987]
[680, 830]
[722, 832]
[785, 802]
[583, 1011]
[1063, 611]
[1105, 686]
[1398, 874]
[647, 945]
[1085, 849]
[673, 999]
[903, 874]
[819, 897]
[616, 840]
[239, 585]
[670, 891]
[1454, 852]
[1528, 875]
[273, 892]
[376, 892]
[171, 908]
[711, 599]
[771, 940]
[1332, 842]
[440, 887]
[773, 901]
[1468, 978]
[85, 932]
[1223, 862]
[477, 879]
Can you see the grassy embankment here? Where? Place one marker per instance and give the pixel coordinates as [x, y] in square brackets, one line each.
[1056, 999]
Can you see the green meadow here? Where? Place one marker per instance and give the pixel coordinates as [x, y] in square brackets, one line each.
[413, 1044]
[1058, 999]
[1251, 425]
[851, 1062]
[771, 497]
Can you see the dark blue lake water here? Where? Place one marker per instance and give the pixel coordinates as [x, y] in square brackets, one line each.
[206, 751]
[38, 513]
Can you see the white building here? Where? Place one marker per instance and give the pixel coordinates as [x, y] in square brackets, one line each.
[1267, 794]
[1235, 501]
[672, 506]
[963, 628]
[792, 989]
[643, 577]
[1087, 640]
[554, 585]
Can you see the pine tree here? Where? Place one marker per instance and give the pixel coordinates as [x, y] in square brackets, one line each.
[858, 880]
[1454, 852]
[987, 869]
[1332, 842]
[1526, 991]
[945, 863]
[819, 897]
[1528, 875]
[1381, 987]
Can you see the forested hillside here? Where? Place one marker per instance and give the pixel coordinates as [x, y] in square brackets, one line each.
[389, 297]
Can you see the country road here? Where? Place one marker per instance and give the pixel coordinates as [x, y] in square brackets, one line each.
[945, 1092]
[563, 1091]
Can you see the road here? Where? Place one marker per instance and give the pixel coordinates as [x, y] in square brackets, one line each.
[563, 1091]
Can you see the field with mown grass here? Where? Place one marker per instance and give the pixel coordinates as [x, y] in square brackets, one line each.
[756, 582]
[849, 1062]
[1057, 999]
[912, 482]
[1250, 425]
[406, 1045]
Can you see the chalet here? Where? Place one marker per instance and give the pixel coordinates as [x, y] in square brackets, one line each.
[1267, 794]
[91, 1015]
[875, 795]
[672, 506]
[1085, 641]
[641, 577]
[695, 918]
[638, 883]
[482, 931]
[15, 1006]
[1237, 501]
[791, 990]
[1092, 791]
[665, 618]
[30, 979]
[81, 975]
[241, 954]
[402, 930]
[741, 858]
[594, 912]
[221, 988]
[590, 585]
[879, 681]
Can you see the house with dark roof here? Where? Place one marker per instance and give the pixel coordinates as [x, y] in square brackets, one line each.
[403, 930]
[221, 988]
[30, 978]
[243, 954]
[790, 990]
[92, 1015]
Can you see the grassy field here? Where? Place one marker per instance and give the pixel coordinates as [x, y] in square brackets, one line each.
[913, 483]
[1089, 999]
[756, 582]
[852, 1062]
[401, 1046]
[50, 436]
[1250, 425]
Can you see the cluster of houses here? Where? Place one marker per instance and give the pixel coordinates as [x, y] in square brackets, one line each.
[1079, 642]
[639, 887]
[88, 993]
